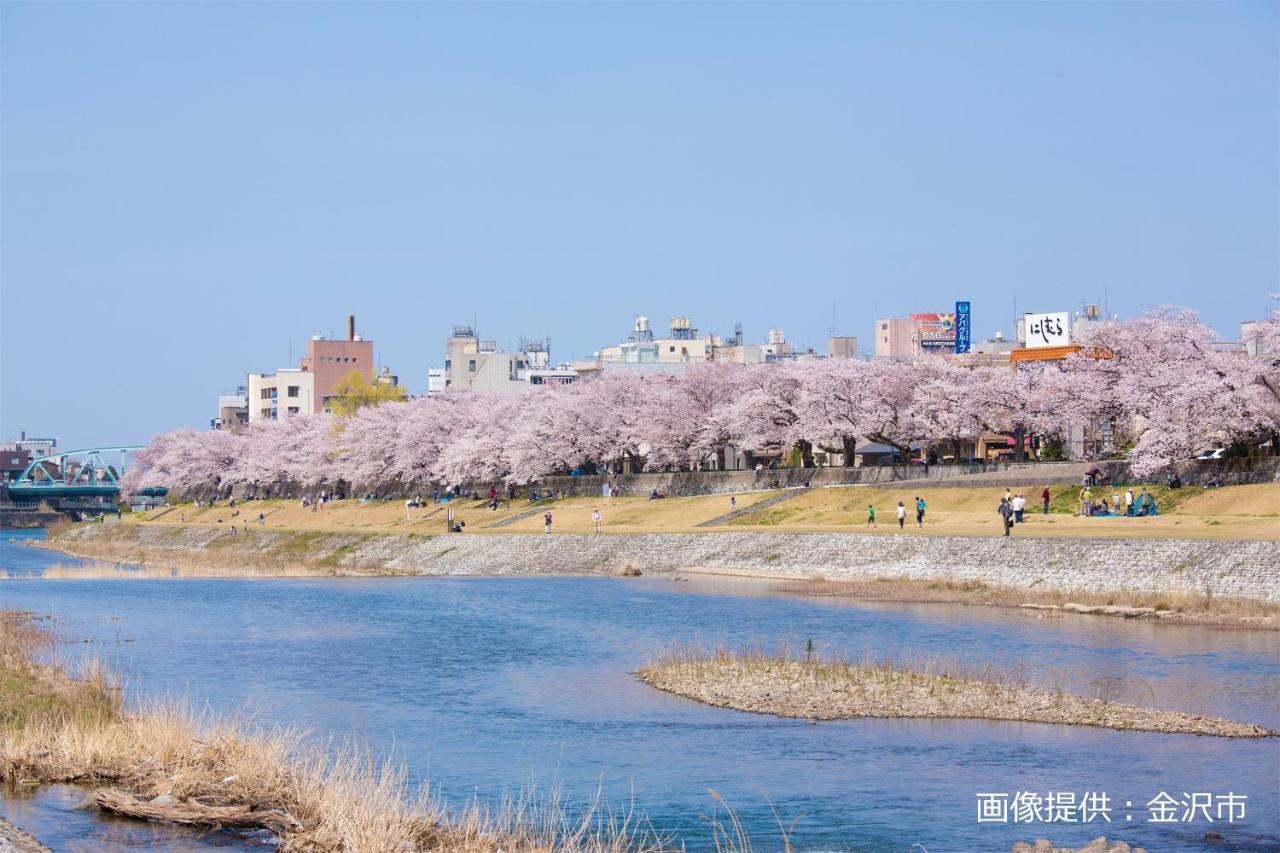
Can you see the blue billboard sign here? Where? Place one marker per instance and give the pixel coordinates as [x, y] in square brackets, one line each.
[963, 336]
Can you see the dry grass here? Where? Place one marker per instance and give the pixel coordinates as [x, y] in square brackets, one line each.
[1204, 609]
[1234, 512]
[571, 515]
[56, 728]
[805, 683]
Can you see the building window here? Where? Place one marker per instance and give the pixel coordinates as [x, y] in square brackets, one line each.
[354, 359]
[265, 394]
[671, 349]
[293, 390]
[293, 410]
[884, 327]
[471, 365]
[448, 364]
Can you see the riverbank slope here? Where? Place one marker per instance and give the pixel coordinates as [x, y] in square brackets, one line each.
[1202, 568]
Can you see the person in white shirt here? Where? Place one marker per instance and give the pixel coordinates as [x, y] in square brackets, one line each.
[596, 519]
[1128, 501]
[902, 515]
[1019, 504]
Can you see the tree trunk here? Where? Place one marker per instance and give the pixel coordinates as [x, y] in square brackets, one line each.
[806, 453]
[192, 813]
[849, 443]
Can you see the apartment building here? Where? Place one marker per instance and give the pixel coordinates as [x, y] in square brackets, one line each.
[288, 391]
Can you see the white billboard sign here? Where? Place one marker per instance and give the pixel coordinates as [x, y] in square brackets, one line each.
[1048, 330]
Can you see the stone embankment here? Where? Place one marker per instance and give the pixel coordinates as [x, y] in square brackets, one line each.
[14, 840]
[1229, 568]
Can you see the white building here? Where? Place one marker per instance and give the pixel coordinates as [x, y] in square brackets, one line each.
[288, 391]
[477, 365]
[437, 380]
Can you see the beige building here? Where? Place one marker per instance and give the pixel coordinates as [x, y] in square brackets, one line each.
[842, 347]
[681, 346]
[476, 365]
[289, 391]
[894, 338]
[233, 410]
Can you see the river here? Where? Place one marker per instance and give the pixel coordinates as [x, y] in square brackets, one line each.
[487, 684]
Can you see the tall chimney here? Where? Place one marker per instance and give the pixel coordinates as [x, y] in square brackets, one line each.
[351, 327]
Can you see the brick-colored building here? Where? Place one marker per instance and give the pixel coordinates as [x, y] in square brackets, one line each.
[330, 360]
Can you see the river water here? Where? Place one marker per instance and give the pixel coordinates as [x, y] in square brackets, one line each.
[489, 684]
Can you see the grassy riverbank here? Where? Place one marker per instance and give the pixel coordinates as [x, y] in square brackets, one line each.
[169, 763]
[827, 687]
[1234, 512]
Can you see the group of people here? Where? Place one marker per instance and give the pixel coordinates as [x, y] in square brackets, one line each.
[1013, 508]
[317, 503]
[1128, 504]
[902, 514]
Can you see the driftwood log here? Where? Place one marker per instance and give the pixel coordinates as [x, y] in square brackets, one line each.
[193, 813]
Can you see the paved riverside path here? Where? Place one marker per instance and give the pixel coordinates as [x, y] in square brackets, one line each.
[729, 517]
[511, 519]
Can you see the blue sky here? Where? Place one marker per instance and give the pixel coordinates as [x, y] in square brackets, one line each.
[186, 189]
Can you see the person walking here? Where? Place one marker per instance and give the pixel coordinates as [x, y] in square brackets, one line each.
[733, 502]
[1006, 515]
[871, 515]
[919, 512]
[546, 521]
[1019, 504]
[262, 519]
[902, 515]
[596, 518]
[1044, 499]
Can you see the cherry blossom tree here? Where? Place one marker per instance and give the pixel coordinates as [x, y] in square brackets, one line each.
[1164, 379]
[833, 410]
[1168, 380]
[767, 413]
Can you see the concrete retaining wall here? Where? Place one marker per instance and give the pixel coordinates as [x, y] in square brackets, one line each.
[1225, 568]
[688, 483]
